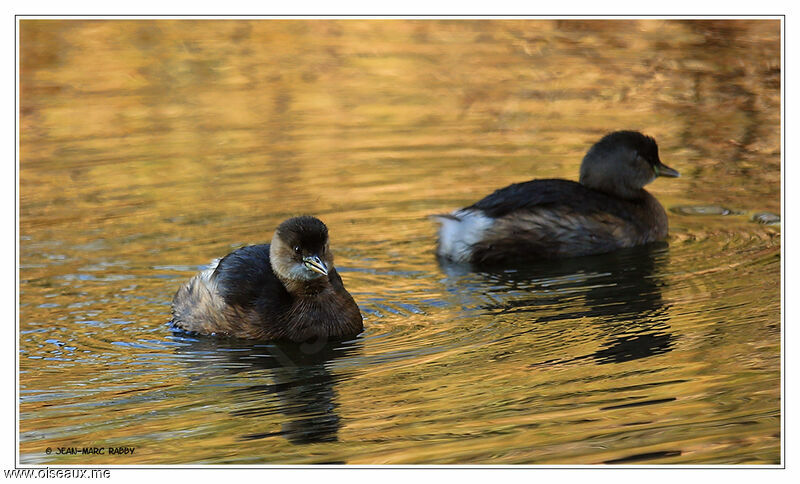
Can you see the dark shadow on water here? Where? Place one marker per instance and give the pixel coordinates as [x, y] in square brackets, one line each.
[620, 293]
[644, 457]
[288, 378]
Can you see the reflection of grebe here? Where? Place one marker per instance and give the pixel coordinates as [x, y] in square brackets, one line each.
[294, 380]
[285, 290]
[542, 219]
[619, 294]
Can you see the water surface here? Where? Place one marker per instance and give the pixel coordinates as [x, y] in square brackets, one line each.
[148, 148]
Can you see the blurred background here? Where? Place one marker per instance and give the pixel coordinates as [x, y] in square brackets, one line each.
[150, 147]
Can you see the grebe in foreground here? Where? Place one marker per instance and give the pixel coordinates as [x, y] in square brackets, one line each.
[286, 290]
[544, 219]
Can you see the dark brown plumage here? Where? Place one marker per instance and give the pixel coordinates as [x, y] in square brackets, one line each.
[286, 290]
[540, 219]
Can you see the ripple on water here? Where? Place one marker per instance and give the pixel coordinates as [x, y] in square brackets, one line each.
[658, 355]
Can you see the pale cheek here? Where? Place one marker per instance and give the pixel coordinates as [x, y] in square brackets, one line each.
[300, 272]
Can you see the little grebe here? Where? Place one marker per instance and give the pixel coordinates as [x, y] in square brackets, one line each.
[540, 219]
[286, 290]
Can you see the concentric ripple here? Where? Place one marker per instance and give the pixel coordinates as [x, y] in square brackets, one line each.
[150, 148]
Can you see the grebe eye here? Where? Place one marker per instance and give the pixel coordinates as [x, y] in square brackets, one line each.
[297, 249]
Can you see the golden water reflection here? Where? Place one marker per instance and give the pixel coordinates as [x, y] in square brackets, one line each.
[150, 147]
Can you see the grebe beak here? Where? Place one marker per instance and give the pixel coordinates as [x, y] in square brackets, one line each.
[663, 170]
[315, 264]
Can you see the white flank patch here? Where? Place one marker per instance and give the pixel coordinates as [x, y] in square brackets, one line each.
[205, 275]
[213, 264]
[456, 237]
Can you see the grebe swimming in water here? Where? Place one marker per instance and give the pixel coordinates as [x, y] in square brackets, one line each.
[286, 290]
[540, 219]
